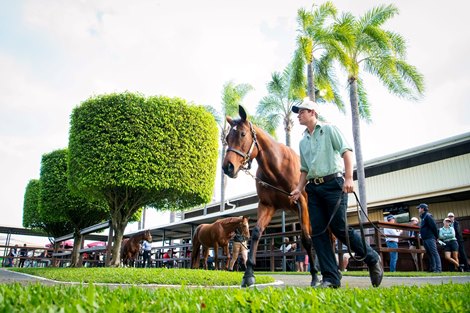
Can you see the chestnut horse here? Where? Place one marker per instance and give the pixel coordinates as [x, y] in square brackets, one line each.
[130, 247]
[214, 235]
[278, 173]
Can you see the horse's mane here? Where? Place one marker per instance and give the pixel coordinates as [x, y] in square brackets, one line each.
[229, 220]
[259, 130]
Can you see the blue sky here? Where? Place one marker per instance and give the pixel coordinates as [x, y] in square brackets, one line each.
[55, 54]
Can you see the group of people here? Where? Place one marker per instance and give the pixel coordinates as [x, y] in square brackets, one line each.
[449, 236]
[14, 253]
[300, 258]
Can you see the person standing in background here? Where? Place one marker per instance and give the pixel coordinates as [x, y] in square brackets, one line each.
[413, 241]
[147, 247]
[463, 260]
[23, 255]
[391, 240]
[429, 234]
[451, 248]
[239, 247]
[11, 255]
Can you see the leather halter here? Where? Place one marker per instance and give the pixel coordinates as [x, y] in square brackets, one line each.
[246, 163]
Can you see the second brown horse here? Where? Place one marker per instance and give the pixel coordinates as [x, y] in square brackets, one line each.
[215, 235]
[130, 247]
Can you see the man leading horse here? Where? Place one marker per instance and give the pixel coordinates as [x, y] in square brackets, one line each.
[324, 156]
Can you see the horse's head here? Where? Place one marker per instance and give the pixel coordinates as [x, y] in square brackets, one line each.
[148, 236]
[241, 141]
[245, 227]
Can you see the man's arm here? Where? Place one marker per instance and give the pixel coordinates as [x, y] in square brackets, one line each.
[348, 186]
[295, 194]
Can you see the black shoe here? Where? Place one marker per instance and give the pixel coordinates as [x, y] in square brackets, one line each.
[315, 281]
[327, 284]
[376, 274]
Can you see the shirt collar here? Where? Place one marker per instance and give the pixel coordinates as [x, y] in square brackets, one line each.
[317, 126]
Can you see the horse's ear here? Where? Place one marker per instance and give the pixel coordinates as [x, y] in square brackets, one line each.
[229, 120]
[247, 217]
[242, 113]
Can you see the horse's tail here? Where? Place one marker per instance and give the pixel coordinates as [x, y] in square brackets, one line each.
[123, 251]
[196, 250]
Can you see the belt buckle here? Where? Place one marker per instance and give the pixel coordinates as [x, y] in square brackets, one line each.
[318, 180]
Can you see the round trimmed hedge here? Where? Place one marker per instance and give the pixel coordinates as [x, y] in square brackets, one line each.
[162, 149]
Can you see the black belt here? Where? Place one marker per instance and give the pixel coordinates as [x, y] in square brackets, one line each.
[324, 179]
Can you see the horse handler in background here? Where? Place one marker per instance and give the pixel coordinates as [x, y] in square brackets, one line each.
[239, 247]
[321, 150]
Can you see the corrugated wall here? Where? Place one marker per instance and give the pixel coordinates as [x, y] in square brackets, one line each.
[437, 178]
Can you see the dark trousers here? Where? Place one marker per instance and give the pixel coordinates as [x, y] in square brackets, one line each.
[146, 259]
[322, 200]
[433, 255]
[463, 256]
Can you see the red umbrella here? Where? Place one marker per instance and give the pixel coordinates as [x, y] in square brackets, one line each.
[96, 244]
[63, 244]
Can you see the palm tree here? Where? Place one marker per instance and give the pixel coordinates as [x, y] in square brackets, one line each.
[317, 35]
[382, 54]
[232, 96]
[277, 105]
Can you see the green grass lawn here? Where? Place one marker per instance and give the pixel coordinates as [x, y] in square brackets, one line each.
[38, 297]
[142, 276]
[91, 298]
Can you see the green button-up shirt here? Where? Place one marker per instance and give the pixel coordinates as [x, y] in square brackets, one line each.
[320, 152]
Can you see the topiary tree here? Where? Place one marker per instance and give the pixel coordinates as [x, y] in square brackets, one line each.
[31, 218]
[54, 223]
[133, 152]
[59, 205]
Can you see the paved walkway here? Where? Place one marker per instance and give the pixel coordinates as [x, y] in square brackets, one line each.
[281, 280]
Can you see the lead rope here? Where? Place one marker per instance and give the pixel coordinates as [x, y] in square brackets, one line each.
[358, 206]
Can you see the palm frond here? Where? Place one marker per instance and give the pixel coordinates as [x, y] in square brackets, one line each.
[364, 106]
[214, 113]
[377, 16]
[233, 95]
[323, 12]
[297, 80]
[398, 44]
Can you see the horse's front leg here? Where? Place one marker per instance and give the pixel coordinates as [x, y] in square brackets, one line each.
[265, 214]
[205, 251]
[216, 256]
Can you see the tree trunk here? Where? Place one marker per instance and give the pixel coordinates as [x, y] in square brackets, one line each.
[75, 257]
[361, 178]
[287, 128]
[310, 82]
[118, 229]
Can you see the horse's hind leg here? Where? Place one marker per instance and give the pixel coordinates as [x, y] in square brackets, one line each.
[265, 214]
[227, 254]
[195, 254]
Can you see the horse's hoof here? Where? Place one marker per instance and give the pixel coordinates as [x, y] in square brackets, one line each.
[248, 281]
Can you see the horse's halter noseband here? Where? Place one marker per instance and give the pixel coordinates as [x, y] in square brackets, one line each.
[246, 163]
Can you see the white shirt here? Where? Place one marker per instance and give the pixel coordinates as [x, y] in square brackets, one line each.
[392, 232]
[146, 245]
